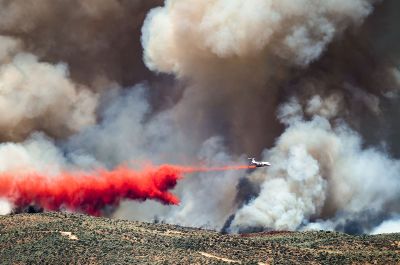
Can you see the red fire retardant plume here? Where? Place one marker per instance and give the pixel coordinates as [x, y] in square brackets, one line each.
[91, 192]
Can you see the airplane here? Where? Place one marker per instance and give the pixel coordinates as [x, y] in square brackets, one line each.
[255, 163]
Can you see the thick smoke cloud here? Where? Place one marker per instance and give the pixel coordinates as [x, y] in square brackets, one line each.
[242, 54]
[128, 132]
[183, 32]
[39, 96]
[57, 52]
[317, 58]
[303, 84]
[97, 39]
[319, 171]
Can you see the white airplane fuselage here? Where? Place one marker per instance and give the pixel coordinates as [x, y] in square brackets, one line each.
[255, 163]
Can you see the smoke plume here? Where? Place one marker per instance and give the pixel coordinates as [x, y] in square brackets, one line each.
[311, 86]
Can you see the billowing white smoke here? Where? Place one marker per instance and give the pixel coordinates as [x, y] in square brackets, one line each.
[38, 153]
[127, 132]
[38, 95]
[319, 170]
[178, 37]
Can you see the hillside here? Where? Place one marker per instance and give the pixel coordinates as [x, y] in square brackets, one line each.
[60, 238]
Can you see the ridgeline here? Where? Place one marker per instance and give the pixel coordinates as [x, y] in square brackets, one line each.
[64, 238]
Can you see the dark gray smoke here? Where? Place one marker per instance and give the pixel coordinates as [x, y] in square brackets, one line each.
[99, 40]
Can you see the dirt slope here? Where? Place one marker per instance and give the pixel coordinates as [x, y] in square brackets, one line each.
[59, 238]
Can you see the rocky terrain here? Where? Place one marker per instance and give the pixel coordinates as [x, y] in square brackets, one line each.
[61, 238]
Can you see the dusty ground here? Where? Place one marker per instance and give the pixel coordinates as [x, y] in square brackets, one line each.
[59, 238]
